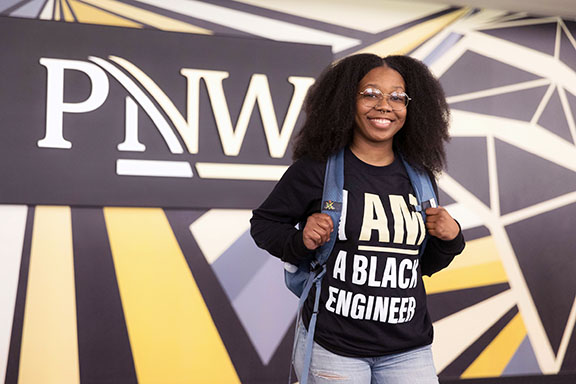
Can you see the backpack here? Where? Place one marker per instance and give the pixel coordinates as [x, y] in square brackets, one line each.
[300, 279]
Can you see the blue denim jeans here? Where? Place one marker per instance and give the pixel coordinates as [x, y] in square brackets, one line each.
[413, 367]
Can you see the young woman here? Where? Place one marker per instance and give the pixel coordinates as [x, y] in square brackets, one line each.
[373, 325]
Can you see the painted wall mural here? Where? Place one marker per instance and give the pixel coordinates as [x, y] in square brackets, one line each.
[157, 292]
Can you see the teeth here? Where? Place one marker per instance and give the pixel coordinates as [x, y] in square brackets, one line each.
[381, 121]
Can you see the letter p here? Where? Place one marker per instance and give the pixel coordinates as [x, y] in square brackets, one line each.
[55, 105]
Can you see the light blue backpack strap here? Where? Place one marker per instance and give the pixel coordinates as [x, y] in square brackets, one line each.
[425, 194]
[422, 187]
[312, 328]
[332, 200]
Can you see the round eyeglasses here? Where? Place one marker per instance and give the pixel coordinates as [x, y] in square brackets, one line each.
[371, 97]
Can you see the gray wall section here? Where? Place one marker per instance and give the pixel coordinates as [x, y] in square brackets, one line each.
[474, 72]
[525, 179]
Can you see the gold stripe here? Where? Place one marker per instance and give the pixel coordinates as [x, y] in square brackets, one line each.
[49, 352]
[173, 336]
[57, 10]
[478, 251]
[469, 277]
[68, 16]
[406, 41]
[147, 17]
[479, 265]
[494, 359]
[88, 14]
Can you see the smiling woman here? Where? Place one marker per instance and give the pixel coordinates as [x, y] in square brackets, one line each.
[372, 323]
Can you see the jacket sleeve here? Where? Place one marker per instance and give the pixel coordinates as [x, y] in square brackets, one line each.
[296, 196]
[440, 253]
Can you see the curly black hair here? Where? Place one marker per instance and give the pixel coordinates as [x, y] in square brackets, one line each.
[330, 109]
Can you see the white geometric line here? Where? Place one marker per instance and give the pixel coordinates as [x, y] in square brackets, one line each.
[513, 17]
[47, 11]
[568, 33]
[543, 104]
[455, 333]
[570, 323]
[154, 168]
[530, 138]
[557, 41]
[568, 112]
[466, 218]
[493, 175]
[521, 57]
[498, 90]
[12, 228]
[218, 229]
[254, 24]
[519, 288]
[522, 23]
[240, 171]
[439, 67]
[352, 14]
[538, 336]
[537, 209]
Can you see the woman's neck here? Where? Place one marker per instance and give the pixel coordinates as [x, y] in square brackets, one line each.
[376, 155]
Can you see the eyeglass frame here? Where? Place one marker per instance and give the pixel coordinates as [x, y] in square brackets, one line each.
[386, 96]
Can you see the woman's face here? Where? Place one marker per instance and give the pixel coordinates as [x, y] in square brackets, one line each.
[376, 125]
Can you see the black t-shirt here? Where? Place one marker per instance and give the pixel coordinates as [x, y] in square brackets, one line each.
[373, 301]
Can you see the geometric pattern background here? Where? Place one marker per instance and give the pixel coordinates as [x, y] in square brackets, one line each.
[152, 295]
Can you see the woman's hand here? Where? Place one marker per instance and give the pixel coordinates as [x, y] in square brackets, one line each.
[317, 230]
[440, 224]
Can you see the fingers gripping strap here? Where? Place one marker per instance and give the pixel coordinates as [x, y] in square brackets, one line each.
[332, 200]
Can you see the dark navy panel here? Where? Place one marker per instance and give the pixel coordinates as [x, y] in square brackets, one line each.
[103, 343]
[474, 72]
[519, 105]
[13, 364]
[569, 363]
[234, 274]
[441, 305]
[526, 179]
[572, 101]
[567, 51]
[476, 233]
[544, 247]
[462, 362]
[238, 344]
[86, 174]
[540, 37]
[468, 165]
[444, 198]
[554, 118]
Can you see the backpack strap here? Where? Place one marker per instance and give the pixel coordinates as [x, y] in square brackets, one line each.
[332, 200]
[422, 187]
[425, 195]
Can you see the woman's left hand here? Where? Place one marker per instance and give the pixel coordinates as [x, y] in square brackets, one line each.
[440, 224]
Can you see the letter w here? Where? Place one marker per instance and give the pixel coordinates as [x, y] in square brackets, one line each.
[258, 91]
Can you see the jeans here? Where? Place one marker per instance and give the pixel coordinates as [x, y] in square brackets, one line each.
[413, 367]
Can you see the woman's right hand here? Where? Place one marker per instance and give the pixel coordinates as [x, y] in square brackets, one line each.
[317, 230]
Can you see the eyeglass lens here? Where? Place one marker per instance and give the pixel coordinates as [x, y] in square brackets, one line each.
[371, 97]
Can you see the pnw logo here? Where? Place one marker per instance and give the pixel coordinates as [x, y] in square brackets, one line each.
[145, 93]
